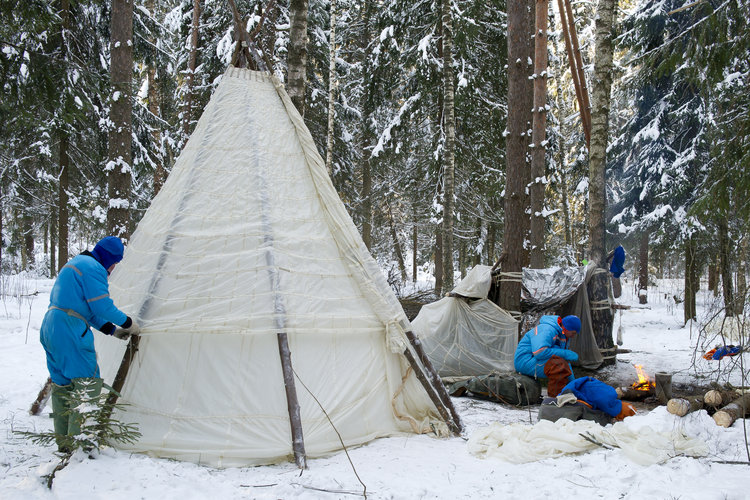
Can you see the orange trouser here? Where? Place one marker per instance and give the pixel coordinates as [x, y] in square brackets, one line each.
[558, 374]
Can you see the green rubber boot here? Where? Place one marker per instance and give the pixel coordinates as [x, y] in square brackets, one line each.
[83, 391]
[60, 397]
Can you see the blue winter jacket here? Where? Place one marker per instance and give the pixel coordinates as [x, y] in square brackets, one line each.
[539, 344]
[79, 299]
[596, 393]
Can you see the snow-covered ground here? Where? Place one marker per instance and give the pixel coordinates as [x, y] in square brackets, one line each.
[403, 467]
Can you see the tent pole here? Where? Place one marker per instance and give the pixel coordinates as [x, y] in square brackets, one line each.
[122, 372]
[298, 443]
[432, 393]
[437, 384]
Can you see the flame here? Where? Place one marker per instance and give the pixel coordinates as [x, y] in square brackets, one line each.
[644, 382]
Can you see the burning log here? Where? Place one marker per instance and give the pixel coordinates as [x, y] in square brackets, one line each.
[634, 393]
[639, 390]
[734, 410]
[683, 406]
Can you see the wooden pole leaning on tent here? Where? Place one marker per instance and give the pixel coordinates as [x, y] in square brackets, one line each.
[434, 387]
[243, 57]
[122, 372]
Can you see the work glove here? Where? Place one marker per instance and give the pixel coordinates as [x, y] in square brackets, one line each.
[130, 327]
[628, 410]
[108, 328]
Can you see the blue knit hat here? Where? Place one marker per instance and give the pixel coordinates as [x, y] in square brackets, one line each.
[108, 251]
[572, 323]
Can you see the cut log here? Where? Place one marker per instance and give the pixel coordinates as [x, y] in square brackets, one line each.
[718, 398]
[41, 400]
[683, 406]
[632, 394]
[734, 410]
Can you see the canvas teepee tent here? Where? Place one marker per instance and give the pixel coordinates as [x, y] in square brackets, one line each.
[246, 241]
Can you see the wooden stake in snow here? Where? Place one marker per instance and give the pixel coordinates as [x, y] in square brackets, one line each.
[734, 410]
[663, 386]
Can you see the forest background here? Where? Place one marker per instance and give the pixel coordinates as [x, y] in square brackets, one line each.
[412, 103]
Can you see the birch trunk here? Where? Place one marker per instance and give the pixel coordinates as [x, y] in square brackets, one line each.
[120, 135]
[603, 76]
[742, 278]
[538, 139]
[449, 129]
[297, 59]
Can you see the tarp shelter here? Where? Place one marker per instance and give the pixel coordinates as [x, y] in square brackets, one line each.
[465, 334]
[562, 291]
[246, 239]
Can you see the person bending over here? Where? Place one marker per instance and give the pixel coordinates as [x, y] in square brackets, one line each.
[543, 351]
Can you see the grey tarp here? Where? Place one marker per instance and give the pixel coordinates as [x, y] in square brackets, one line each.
[562, 291]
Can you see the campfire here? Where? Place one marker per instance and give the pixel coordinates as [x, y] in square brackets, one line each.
[644, 382]
[639, 390]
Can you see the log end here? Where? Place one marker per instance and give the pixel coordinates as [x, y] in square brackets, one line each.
[723, 419]
[678, 406]
[713, 398]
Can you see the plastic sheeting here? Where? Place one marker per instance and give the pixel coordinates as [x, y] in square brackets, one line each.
[248, 238]
[468, 337]
[562, 291]
[521, 443]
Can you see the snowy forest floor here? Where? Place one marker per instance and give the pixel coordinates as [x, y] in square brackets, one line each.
[404, 467]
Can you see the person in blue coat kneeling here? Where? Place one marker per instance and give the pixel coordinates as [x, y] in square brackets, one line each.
[80, 300]
[543, 351]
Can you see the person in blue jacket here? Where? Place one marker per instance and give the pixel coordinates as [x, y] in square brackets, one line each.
[599, 396]
[543, 351]
[80, 300]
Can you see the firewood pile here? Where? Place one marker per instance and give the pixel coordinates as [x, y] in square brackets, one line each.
[725, 405]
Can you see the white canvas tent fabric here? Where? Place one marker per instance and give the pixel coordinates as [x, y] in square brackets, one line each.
[247, 238]
[466, 338]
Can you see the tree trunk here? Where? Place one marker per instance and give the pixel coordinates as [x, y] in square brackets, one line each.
[449, 129]
[603, 76]
[27, 228]
[538, 138]
[367, 135]
[414, 242]
[187, 114]
[52, 243]
[741, 278]
[297, 59]
[602, 316]
[643, 269]
[438, 262]
[712, 276]
[691, 279]
[332, 83]
[520, 102]
[477, 250]
[726, 271]
[563, 179]
[396, 244]
[62, 203]
[120, 135]
[160, 171]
